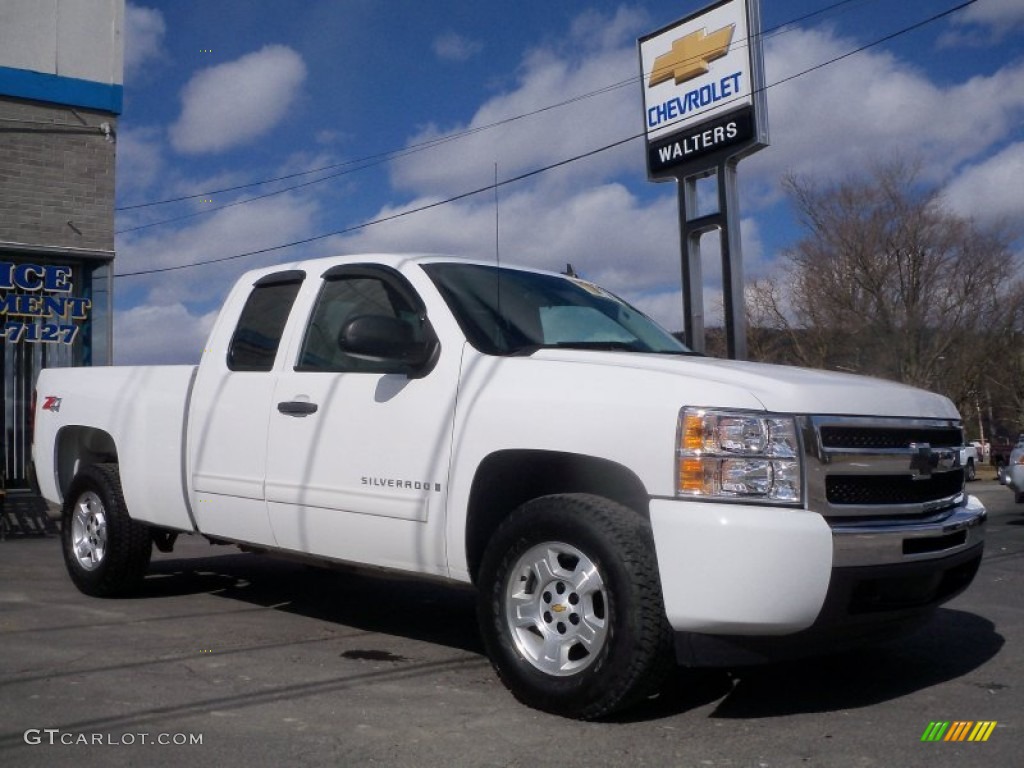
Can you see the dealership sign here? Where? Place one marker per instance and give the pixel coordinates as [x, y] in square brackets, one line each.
[37, 305]
[703, 87]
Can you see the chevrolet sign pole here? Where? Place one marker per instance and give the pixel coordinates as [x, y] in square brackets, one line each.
[704, 110]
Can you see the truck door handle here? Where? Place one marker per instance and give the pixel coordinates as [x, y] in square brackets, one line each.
[297, 407]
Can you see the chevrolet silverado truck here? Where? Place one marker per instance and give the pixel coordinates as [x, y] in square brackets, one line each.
[619, 502]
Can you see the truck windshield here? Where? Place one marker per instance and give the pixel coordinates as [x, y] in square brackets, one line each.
[510, 311]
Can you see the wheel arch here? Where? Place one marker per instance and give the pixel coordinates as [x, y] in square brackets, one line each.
[77, 447]
[509, 478]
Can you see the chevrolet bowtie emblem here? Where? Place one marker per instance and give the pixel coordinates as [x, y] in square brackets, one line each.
[691, 55]
[926, 461]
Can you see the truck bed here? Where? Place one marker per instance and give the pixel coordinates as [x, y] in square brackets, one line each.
[141, 410]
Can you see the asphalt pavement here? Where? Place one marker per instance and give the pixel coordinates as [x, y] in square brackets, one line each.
[235, 659]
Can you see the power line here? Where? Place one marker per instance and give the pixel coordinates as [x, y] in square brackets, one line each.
[536, 171]
[377, 159]
[369, 161]
[392, 217]
[363, 163]
[848, 54]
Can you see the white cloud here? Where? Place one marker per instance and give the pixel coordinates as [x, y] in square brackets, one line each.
[607, 234]
[200, 231]
[592, 30]
[596, 55]
[139, 160]
[160, 334]
[665, 303]
[664, 307]
[984, 191]
[229, 232]
[328, 136]
[144, 30]
[452, 46]
[871, 107]
[234, 103]
[997, 17]
[164, 317]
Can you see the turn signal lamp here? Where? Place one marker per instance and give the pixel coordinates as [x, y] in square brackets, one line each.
[739, 456]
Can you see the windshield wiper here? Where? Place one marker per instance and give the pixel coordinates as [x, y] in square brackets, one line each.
[680, 353]
[528, 349]
[606, 346]
[609, 345]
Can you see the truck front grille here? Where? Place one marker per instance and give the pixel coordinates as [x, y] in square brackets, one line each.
[882, 490]
[886, 437]
[882, 468]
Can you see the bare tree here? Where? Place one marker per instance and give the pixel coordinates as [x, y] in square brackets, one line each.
[889, 282]
[1001, 391]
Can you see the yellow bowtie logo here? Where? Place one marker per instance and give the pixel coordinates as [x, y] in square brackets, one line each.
[691, 56]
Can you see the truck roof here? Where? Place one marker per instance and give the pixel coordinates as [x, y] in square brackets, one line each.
[395, 260]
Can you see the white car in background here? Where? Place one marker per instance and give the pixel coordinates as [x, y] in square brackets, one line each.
[1014, 472]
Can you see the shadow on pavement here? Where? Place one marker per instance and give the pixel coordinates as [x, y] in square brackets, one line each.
[952, 645]
[410, 607]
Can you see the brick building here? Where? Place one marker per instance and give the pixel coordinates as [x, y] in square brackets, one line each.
[60, 94]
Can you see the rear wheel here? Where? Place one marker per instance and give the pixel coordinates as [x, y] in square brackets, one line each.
[570, 606]
[105, 551]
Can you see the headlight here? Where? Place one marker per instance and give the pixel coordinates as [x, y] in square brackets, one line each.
[737, 455]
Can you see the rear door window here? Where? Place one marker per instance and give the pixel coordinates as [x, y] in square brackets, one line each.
[261, 325]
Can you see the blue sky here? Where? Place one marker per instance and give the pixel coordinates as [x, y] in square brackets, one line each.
[395, 101]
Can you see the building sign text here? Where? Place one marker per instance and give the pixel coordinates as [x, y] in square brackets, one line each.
[37, 305]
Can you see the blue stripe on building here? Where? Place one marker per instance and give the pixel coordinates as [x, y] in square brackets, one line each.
[39, 86]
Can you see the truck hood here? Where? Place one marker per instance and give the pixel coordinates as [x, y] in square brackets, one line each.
[779, 388]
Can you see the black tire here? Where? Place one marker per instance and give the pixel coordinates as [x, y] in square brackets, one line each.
[1018, 496]
[105, 551]
[614, 642]
[969, 471]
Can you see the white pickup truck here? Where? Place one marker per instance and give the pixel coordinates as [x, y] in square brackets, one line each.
[969, 461]
[616, 499]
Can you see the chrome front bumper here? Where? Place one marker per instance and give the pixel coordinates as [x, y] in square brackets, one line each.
[889, 543]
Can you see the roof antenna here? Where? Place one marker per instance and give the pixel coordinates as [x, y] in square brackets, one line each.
[497, 250]
[569, 271]
[497, 258]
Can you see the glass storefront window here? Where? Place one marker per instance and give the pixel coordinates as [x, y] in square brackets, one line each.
[55, 313]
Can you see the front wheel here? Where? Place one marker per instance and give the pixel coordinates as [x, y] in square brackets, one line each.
[570, 606]
[105, 551]
[970, 471]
